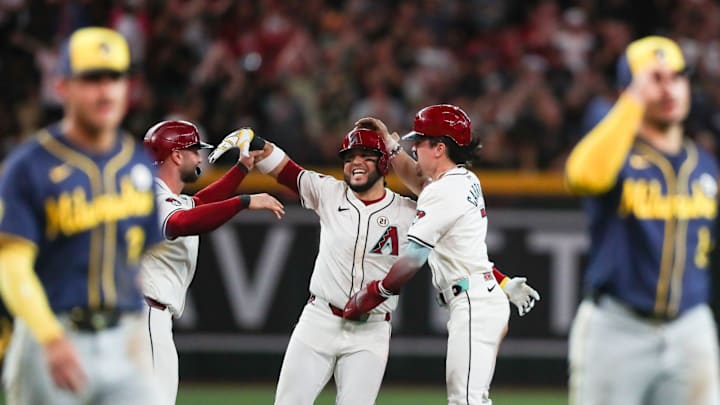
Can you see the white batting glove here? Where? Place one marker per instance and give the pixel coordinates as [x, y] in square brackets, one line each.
[239, 138]
[521, 294]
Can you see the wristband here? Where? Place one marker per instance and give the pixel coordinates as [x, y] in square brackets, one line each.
[242, 167]
[272, 161]
[394, 152]
[244, 201]
[392, 145]
[257, 143]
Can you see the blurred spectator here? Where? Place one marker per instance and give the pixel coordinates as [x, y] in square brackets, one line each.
[533, 75]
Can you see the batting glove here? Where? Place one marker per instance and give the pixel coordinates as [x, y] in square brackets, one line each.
[363, 301]
[239, 138]
[520, 294]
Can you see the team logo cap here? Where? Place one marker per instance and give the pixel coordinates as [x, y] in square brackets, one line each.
[94, 50]
[648, 51]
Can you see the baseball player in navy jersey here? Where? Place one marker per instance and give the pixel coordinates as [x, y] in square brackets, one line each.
[168, 271]
[363, 230]
[77, 211]
[645, 334]
[448, 233]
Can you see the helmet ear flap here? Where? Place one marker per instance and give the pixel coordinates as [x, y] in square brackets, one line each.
[383, 164]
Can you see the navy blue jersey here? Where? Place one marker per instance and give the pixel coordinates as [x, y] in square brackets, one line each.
[652, 232]
[91, 217]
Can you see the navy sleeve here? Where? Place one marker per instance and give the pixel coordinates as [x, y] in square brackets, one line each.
[18, 213]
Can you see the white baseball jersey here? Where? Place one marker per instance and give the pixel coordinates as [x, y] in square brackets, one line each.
[451, 220]
[168, 269]
[358, 243]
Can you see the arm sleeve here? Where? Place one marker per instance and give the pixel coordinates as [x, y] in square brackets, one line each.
[288, 176]
[222, 188]
[202, 219]
[594, 164]
[405, 267]
[22, 292]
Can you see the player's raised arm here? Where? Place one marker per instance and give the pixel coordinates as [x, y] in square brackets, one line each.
[403, 165]
[595, 162]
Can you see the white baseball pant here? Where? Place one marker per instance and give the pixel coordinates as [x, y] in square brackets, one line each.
[477, 325]
[162, 353]
[323, 345]
[112, 359]
[618, 358]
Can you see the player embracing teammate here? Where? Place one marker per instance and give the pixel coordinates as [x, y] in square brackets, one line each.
[364, 230]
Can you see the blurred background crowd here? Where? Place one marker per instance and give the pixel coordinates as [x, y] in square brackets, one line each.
[533, 75]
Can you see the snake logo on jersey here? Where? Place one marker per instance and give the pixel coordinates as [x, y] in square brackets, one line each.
[388, 243]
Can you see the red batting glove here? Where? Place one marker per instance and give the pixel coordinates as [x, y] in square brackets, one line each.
[363, 301]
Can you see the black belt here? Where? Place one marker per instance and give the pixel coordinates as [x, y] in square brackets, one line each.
[644, 314]
[444, 296]
[94, 320]
[153, 303]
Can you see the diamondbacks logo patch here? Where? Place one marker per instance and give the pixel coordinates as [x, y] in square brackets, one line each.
[388, 243]
[173, 201]
[418, 215]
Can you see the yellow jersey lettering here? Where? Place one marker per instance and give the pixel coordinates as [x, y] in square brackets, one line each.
[645, 200]
[71, 212]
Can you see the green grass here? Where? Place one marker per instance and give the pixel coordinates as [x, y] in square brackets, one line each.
[193, 394]
[393, 395]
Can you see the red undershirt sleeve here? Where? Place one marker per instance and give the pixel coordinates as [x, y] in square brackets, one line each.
[499, 276]
[289, 174]
[222, 188]
[203, 218]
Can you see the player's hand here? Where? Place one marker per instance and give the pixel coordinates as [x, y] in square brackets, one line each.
[64, 365]
[239, 138]
[646, 84]
[363, 301]
[265, 201]
[249, 161]
[378, 126]
[521, 294]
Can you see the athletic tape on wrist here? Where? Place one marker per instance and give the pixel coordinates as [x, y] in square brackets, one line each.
[272, 161]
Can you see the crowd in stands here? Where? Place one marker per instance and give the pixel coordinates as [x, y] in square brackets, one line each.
[533, 75]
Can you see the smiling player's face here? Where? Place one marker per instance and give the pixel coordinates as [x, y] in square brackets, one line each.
[360, 169]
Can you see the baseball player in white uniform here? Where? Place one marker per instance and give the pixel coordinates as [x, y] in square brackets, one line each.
[168, 271]
[449, 233]
[363, 231]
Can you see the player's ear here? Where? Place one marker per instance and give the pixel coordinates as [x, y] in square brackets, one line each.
[441, 149]
[176, 157]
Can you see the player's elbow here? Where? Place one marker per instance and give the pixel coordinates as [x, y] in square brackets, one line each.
[583, 180]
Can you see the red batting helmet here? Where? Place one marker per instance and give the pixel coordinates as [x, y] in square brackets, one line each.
[442, 120]
[167, 136]
[361, 138]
